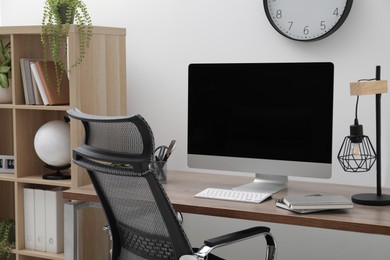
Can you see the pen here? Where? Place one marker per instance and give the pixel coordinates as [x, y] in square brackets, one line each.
[171, 147]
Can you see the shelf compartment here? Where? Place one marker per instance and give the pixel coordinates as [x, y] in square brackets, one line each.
[7, 200]
[6, 132]
[20, 240]
[27, 123]
[23, 46]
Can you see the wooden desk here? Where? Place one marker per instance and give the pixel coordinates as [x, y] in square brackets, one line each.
[181, 186]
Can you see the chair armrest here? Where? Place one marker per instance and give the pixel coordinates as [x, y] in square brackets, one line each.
[238, 236]
[235, 236]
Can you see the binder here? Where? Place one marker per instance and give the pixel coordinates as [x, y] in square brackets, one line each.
[29, 218]
[40, 226]
[54, 214]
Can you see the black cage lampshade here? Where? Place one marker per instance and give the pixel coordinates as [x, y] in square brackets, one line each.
[357, 154]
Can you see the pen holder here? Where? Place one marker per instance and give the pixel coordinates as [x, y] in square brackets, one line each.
[160, 168]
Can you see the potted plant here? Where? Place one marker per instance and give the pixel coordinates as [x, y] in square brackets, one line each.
[7, 238]
[5, 69]
[57, 16]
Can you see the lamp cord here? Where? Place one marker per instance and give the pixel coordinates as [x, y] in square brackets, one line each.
[356, 121]
[356, 110]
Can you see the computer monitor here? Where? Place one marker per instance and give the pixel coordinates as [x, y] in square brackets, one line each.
[271, 119]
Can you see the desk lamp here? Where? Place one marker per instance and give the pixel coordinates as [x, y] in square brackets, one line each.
[357, 153]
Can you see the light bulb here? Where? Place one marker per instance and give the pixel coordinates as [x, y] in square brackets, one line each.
[356, 149]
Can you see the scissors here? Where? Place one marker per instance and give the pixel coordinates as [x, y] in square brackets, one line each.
[160, 152]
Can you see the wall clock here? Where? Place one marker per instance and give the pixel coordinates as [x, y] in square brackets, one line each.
[307, 20]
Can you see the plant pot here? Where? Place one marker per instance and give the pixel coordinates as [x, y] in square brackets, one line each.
[62, 11]
[6, 94]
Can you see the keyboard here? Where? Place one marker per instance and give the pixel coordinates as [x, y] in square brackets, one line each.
[233, 195]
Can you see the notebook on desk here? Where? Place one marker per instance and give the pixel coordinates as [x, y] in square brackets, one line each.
[314, 203]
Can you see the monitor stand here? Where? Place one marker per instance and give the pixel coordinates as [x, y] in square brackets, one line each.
[265, 183]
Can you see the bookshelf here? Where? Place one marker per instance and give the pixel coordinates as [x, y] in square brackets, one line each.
[97, 86]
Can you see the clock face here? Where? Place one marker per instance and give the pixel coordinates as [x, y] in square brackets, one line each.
[307, 20]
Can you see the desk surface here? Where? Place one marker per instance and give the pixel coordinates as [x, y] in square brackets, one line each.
[181, 187]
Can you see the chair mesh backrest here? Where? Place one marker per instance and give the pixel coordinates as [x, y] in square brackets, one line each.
[141, 218]
[121, 137]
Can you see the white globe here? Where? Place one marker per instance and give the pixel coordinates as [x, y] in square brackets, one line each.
[52, 143]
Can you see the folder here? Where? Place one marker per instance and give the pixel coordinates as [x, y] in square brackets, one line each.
[54, 215]
[40, 225]
[29, 218]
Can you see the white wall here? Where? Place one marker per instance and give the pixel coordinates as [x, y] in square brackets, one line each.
[163, 37]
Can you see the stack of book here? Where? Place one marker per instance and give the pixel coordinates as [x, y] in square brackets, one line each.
[40, 83]
[314, 203]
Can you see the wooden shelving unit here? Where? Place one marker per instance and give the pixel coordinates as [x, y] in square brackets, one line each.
[97, 86]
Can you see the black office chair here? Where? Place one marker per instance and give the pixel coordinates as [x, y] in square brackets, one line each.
[117, 152]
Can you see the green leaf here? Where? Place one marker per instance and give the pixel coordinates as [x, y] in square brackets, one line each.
[3, 81]
[5, 69]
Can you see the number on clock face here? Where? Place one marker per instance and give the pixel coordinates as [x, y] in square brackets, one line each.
[307, 20]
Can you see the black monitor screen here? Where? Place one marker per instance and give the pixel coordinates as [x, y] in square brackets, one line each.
[276, 111]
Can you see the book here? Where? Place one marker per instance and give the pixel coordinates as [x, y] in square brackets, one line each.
[37, 94]
[29, 218]
[27, 80]
[48, 82]
[38, 81]
[54, 215]
[307, 202]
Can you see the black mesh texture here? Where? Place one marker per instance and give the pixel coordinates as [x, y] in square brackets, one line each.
[121, 137]
[160, 247]
[132, 204]
[143, 232]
